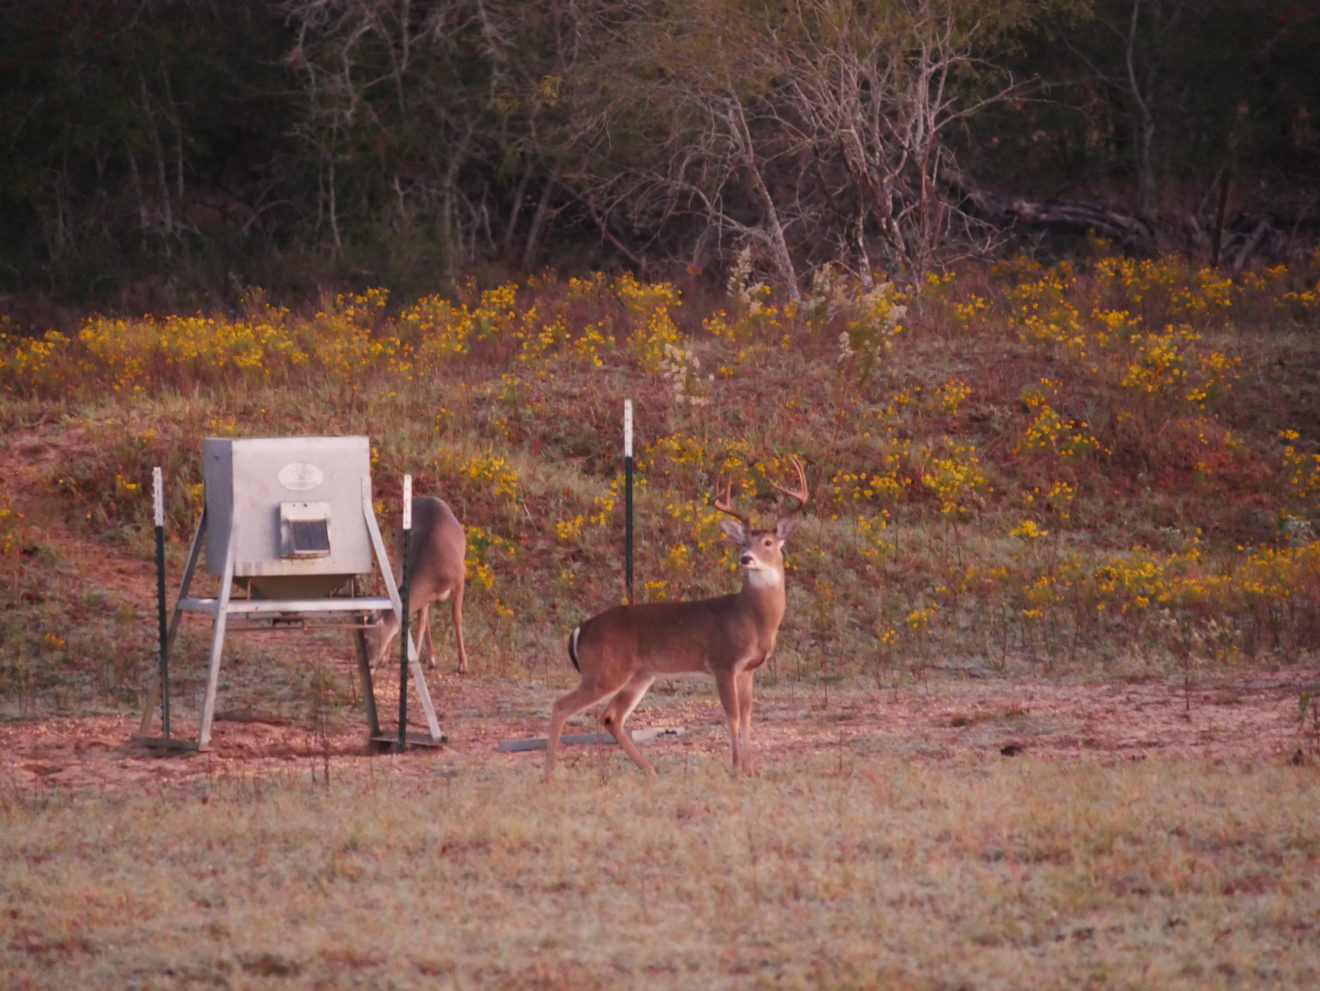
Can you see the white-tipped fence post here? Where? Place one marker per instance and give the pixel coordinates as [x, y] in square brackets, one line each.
[158, 516]
[404, 642]
[628, 496]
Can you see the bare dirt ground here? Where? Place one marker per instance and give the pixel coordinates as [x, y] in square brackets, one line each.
[1244, 715]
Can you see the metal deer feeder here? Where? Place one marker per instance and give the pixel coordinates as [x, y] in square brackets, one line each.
[289, 529]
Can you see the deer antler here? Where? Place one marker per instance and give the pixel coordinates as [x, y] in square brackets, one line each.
[801, 493]
[724, 505]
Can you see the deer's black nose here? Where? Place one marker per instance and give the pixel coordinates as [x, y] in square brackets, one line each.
[747, 559]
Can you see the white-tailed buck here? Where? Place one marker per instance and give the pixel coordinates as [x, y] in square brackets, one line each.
[437, 550]
[621, 651]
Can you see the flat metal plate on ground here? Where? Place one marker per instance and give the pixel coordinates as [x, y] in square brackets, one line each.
[168, 743]
[411, 739]
[601, 737]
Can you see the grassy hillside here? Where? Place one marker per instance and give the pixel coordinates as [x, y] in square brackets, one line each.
[1098, 468]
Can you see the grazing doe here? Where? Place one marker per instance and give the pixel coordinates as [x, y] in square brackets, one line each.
[437, 550]
[621, 651]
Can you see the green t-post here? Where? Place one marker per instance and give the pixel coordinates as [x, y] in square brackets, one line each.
[158, 512]
[628, 496]
[403, 619]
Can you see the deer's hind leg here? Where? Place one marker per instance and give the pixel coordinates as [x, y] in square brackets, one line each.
[588, 692]
[617, 713]
[425, 648]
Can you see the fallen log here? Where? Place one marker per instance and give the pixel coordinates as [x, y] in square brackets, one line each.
[1132, 231]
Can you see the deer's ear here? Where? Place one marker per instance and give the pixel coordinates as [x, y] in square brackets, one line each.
[734, 531]
[784, 527]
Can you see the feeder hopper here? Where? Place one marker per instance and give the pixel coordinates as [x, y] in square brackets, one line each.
[289, 529]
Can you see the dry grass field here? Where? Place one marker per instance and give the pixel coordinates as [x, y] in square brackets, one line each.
[951, 833]
[864, 855]
[1044, 713]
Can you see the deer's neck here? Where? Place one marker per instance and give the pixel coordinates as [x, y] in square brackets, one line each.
[763, 592]
[763, 579]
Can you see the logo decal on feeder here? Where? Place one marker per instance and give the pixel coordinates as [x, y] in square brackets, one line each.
[299, 476]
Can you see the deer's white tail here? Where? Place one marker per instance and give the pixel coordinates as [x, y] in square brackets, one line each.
[572, 648]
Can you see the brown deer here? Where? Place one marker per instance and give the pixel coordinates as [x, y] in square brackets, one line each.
[621, 651]
[437, 550]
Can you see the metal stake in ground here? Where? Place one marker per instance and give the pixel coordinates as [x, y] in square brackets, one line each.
[158, 511]
[628, 496]
[404, 635]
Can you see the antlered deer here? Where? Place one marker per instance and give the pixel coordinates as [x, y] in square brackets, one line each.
[621, 651]
[436, 572]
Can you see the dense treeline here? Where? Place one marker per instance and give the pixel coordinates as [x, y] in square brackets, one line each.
[163, 152]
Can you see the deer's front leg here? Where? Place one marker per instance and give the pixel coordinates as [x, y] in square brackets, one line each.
[744, 686]
[726, 682]
[456, 607]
